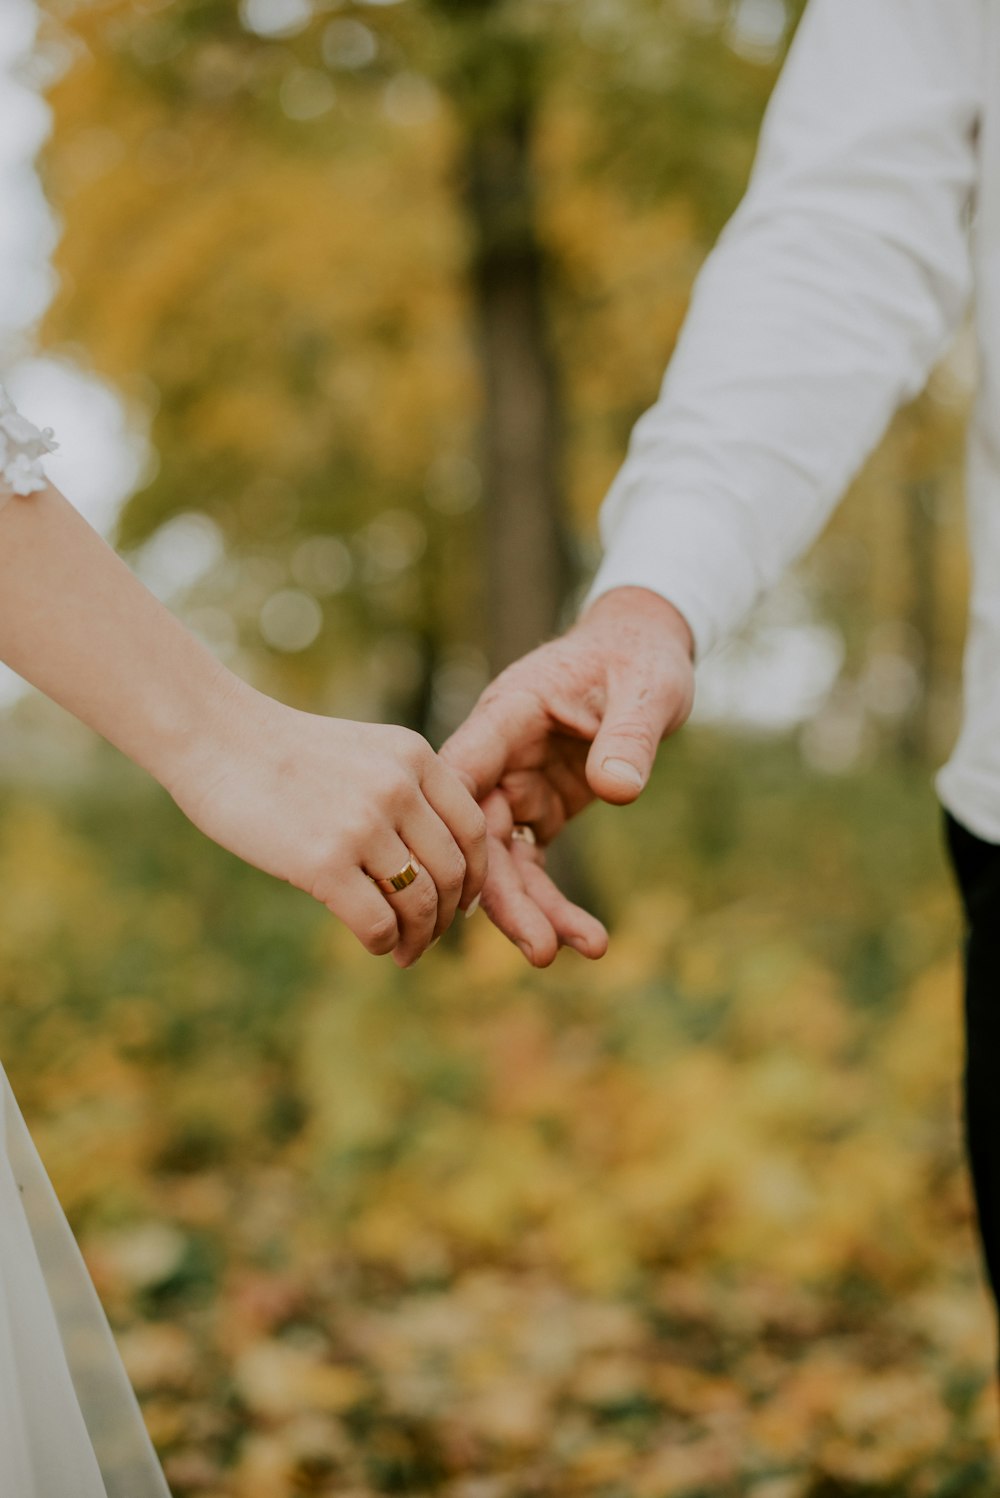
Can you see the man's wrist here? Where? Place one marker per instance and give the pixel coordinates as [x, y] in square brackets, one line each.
[643, 607]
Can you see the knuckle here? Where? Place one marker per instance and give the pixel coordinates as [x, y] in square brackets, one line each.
[412, 748]
[478, 829]
[491, 701]
[636, 731]
[593, 698]
[514, 686]
[399, 786]
[496, 690]
[424, 903]
[328, 873]
[453, 873]
[352, 842]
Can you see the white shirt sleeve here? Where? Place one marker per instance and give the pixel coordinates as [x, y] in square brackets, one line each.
[824, 305]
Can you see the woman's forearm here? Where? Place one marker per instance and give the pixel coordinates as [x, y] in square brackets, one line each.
[327, 804]
[79, 625]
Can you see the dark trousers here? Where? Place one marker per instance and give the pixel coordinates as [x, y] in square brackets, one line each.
[977, 866]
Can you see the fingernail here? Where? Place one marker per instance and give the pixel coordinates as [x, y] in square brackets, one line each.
[434, 943]
[473, 907]
[620, 769]
[526, 950]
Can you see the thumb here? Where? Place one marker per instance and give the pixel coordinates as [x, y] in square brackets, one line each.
[638, 713]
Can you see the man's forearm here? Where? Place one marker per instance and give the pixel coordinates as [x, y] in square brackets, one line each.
[825, 304]
[78, 624]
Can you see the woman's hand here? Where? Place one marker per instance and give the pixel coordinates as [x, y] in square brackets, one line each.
[329, 804]
[320, 802]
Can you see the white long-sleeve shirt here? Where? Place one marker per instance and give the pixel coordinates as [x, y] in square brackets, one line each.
[872, 215]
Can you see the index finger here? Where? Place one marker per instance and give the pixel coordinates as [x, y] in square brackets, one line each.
[479, 750]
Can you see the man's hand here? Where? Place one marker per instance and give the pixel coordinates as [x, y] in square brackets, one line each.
[579, 718]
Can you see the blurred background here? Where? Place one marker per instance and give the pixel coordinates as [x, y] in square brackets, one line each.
[343, 311]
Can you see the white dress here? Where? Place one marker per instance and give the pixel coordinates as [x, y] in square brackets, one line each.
[70, 1426]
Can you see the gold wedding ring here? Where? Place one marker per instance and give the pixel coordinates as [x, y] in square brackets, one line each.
[395, 882]
[522, 833]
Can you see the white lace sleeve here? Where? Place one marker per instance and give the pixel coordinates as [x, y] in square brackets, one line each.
[22, 448]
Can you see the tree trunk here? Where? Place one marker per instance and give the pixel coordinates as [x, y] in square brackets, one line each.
[527, 567]
[526, 555]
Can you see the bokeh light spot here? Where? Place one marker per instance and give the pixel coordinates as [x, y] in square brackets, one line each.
[276, 17]
[322, 565]
[291, 620]
[306, 94]
[349, 45]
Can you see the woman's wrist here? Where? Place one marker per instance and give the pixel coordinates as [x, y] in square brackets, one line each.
[194, 731]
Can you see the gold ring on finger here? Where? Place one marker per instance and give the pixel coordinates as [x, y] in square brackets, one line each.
[393, 883]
